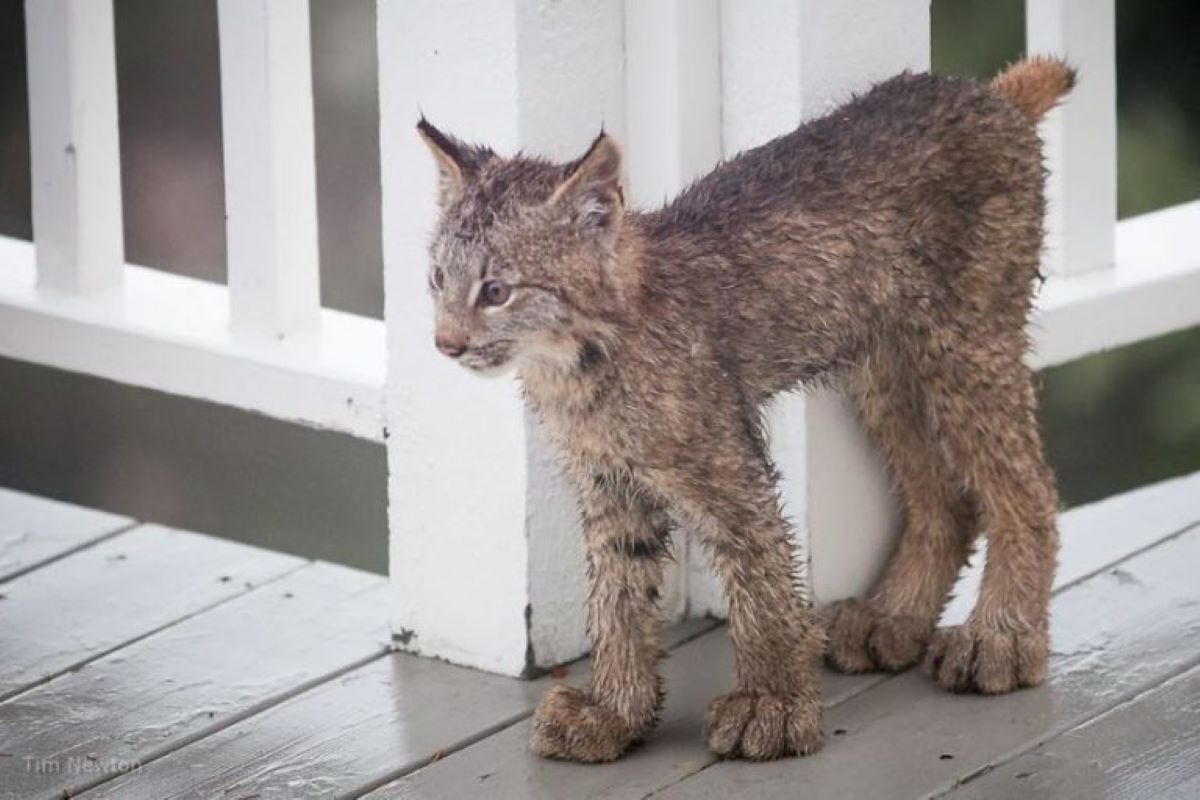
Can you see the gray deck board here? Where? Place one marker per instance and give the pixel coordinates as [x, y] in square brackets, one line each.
[221, 670]
[35, 531]
[191, 679]
[701, 670]
[367, 727]
[392, 714]
[1146, 748]
[1096, 535]
[502, 765]
[97, 599]
[1115, 635]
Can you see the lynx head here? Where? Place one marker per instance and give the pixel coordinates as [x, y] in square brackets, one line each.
[523, 256]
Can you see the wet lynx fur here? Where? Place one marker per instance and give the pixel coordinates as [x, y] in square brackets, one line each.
[890, 247]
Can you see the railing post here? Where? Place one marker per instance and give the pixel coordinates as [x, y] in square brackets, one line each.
[270, 168]
[783, 61]
[76, 166]
[673, 98]
[486, 564]
[1081, 135]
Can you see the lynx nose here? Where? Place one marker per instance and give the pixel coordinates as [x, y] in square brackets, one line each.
[450, 347]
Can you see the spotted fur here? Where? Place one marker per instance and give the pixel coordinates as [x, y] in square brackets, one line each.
[890, 247]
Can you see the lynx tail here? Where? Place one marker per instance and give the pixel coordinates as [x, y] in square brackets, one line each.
[1035, 85]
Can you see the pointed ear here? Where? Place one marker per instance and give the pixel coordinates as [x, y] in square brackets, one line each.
[457, 162]
[592, 189]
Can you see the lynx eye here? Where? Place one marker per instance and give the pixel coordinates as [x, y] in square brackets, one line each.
[438, 279]
[494, 293]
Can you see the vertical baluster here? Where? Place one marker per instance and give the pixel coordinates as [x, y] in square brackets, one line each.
[673, 96]
[486, 562]
[1081, 135]
[75, 152]
[673, 80]
[270, 171]
[782, 61]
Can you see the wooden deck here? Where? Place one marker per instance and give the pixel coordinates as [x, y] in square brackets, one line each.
[142, 662]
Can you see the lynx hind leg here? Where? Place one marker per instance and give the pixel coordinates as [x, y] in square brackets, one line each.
[889, 629]
[1004, 644]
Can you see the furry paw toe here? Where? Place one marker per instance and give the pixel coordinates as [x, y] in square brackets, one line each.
[570, 726]
[760, 727]
[975, 658]
[862, 638]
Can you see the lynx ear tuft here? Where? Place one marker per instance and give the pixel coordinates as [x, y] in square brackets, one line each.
[458, 163]
[592, 187]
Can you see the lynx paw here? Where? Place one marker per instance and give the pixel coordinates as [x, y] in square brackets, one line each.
[570, 726]
[761, 727]
[974, 658]
[861, 638]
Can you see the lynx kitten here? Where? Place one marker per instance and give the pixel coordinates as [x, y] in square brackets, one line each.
[890, 246]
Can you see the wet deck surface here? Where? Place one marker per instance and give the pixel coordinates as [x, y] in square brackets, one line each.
[142, 662]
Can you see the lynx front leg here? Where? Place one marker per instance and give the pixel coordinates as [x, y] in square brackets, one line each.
[626, 538]
[775, 708]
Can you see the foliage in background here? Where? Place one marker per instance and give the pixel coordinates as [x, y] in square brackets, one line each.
[1130, 417]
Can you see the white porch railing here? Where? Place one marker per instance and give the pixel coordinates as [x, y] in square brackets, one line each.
[485, 565]
[262, 343]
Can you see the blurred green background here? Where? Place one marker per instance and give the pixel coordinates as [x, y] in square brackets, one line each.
[1112, 422]
[1131, 416]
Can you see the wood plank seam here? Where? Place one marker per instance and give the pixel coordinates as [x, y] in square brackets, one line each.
[869, 683]
[490, 730]
[235, 717]
[1058, 590]
[1135, 753]
[499, 727]
[1126, 615]
[100, 538]
[236, 659]
[78, 665]
[1170, 537]
[865, 687]
[1059, 731]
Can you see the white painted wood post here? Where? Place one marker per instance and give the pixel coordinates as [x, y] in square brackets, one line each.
[76, 167]
[270, 167]
[783, 61]
[1081, 135]
[673, 81]
[486, 559]
[673, 88]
